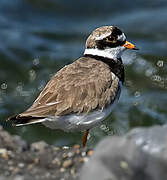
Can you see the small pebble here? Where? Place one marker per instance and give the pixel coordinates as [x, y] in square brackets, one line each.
[76, 146]
[65, 147]
[64, 155]
[83, 153]
[10, 153]
[20, 165]
[6, 173]
[10, 162]
[36, 161]
[90, 152]
[39, 146]
[62, 170]
[72, 171]
[16, 170]
[5, 156]
[70, 154]
[30, 166]
[81, 159]
[77, 151]
[47, 175]
[3, 150]
[3, 153]
[124, 165]
[11, 168]
[18, 177]
[56, 161]
[86, 159]
[67, 163]
[56, 148]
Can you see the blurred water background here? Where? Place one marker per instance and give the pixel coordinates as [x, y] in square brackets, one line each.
[38, 37]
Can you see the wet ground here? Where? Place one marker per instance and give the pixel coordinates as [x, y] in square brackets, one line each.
[22, 161]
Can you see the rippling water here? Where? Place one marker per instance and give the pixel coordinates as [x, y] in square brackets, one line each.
[37, 38]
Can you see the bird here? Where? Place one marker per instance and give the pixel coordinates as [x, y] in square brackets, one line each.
[82, 94]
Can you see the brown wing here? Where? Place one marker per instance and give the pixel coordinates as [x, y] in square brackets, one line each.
[82, 86]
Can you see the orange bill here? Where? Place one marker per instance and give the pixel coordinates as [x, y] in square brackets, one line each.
[129, 45]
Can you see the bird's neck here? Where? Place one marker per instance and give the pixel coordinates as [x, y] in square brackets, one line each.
[116, 66]
[111, 53]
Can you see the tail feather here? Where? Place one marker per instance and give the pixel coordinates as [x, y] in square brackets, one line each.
[18, 120]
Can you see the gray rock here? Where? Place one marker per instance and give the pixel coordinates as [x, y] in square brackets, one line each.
[17, 177]
[11, 142]
[139, 155]
[151, 140]
[39, 146]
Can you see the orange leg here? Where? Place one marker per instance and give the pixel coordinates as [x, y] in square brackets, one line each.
[84, 138]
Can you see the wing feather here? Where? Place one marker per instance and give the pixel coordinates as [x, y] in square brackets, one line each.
[82, 86]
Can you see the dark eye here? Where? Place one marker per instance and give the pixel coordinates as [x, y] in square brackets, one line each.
[110, 38]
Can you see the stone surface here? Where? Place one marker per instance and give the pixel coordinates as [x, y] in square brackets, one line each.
[11, 142]
[38, 161]
[139, 155]
[39, 146]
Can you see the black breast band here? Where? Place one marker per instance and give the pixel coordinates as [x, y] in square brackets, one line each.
[116, 67]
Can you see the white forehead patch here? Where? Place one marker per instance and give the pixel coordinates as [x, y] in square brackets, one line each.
[122, 37]
[103, 36]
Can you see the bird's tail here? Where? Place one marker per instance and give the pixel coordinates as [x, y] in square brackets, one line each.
[18, 120]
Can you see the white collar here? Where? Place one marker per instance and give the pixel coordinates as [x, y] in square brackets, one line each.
[111, 53]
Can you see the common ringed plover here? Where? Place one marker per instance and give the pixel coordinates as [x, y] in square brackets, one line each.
[81, 95]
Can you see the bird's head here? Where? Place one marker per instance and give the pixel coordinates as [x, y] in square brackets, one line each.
[108, 41]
